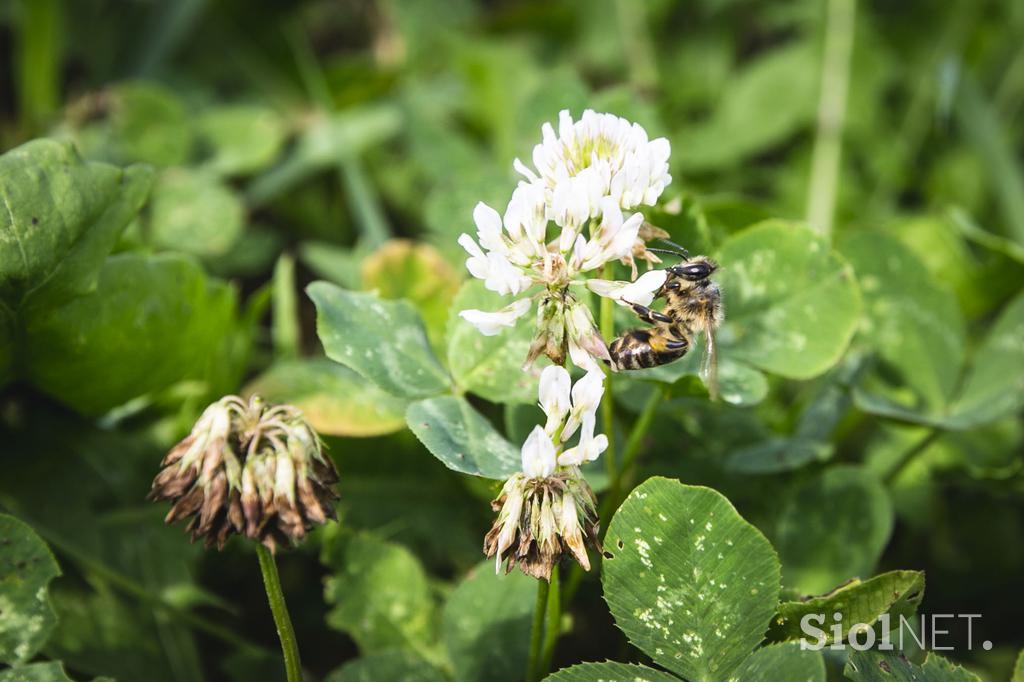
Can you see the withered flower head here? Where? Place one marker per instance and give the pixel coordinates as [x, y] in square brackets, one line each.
[547, 509]
[540, 519]
[251, 468]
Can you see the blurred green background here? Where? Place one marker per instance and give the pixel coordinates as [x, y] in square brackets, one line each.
[349, 141]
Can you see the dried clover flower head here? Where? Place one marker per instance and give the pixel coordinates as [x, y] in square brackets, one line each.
[547, 509]
[540, 519]
[248, 468]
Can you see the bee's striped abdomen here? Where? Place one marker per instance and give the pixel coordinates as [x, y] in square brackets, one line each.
[639, 349]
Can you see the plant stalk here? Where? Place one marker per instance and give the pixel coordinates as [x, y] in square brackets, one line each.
[835, 80]
[533, 664]
[553, 628]
[607, 324]
[285, 632]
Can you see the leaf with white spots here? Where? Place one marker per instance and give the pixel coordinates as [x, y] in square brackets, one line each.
[912, 322]
[462, 438]
[832, 528]
[690, 582]
[26, 569]
[878, 666]
[490, 366]
[486, 625]
[383, 341]
[897, 593]
[610, 672]
[781, 662]
[791, 303]
[379, 593]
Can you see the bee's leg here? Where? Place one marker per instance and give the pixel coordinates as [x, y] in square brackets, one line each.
[650, 316]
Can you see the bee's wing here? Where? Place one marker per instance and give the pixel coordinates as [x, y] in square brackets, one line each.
[709, 363]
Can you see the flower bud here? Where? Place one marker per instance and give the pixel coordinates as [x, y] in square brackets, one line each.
[249, 469]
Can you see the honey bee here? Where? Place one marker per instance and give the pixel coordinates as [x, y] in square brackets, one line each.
[693, 302]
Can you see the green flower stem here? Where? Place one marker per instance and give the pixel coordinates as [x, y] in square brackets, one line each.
[607, 405]
[533, 664]
[553, 628]
[912, 453]
[289, 645]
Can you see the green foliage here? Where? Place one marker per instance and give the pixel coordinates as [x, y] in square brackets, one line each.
[833, 527]
[875, 666]
[611, 672]
[383, 341]
[334, 399]
[489, 366]
[26, 569]
[486, 625]
[694, 590]
[379, 593]
[897, 593]
[461, 437]
[193, 211]
[782, 661]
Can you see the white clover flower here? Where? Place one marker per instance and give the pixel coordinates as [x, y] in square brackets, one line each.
[547, 509]
[613, 156]
[586, 175]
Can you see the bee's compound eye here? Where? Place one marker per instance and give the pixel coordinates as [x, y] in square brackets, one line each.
[693, 271]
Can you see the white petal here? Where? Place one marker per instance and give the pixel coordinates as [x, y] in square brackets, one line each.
[490, 324]
[553, 393]
[586, 396]
[488, 227]
[640, 291]
[538, 454]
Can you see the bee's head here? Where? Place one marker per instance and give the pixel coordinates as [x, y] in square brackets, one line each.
[695, 269]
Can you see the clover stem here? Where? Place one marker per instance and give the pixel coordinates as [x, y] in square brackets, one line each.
[536, 631]
[607, 405]
[285, 632]
[553, 628]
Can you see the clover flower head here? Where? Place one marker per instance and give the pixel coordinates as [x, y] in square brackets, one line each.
[547, 509]
[251, 469]
[585, 177]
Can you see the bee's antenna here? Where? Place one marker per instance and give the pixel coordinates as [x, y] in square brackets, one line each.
[681, 254]
[686, 254]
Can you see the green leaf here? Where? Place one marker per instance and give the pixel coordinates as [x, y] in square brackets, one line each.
[486, 625]
[50, 671]
[147, 123]
[690, 582]
[194, 212]
[738, 383]
[418, 273]
[241, 138]
[490, 366]
[833, 527]
[878, 666]
[781, 662]
[384, 341]
[912, 322]
[61, 218]
[335, 400]
[334, 263]
[1018, 669]
[994, 388]
[897, 593]
[26, 569]
[454, 432]
[386, 665]
[610, 672]
[733, 132]
[152, 321]
[791, 303]
[379, 593]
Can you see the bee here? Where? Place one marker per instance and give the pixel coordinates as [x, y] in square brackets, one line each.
[693, 302]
